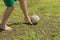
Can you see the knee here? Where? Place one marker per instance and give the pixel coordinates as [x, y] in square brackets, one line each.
[12, 7]
[22, 1]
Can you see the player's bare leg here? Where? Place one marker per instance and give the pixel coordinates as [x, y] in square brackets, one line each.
[24, 8]
[6, 15]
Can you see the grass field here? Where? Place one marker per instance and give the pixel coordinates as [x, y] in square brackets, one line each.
[47, 29]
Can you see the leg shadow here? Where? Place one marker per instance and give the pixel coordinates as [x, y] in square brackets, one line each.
[14, 24]
[29, 23]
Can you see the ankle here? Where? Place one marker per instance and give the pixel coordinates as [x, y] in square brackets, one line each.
[3, 25]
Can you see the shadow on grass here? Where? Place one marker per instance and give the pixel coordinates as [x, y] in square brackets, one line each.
[1, 29]
[26, 23]
[18, 23]
[14, 24]
[29, 23]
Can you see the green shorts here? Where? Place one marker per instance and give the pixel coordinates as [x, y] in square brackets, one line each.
[9, 3]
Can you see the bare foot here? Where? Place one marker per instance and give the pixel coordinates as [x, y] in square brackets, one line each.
[6, 28]
[28, 20]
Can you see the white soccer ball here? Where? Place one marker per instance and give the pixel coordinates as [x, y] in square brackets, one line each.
[35, 19]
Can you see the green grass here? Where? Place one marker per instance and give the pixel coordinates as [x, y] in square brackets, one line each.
[47, 29]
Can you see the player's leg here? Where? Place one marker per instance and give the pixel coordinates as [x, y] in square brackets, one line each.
[24, 8]
[7, 13]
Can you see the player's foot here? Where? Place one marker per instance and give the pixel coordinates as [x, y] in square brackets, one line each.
[6, 28]
[28, 20]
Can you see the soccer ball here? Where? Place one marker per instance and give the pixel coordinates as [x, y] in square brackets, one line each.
[35, 19]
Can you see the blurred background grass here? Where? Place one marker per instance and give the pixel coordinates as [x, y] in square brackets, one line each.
[47, 29]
